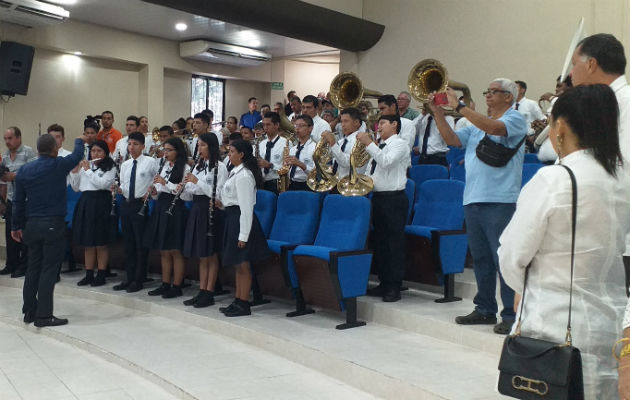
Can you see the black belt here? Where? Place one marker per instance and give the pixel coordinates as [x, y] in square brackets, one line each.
[441, 154]
[389, 193]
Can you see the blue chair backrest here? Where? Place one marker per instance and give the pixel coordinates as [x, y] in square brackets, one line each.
[531, 158]
[458, 172]
[454, 155]
[344, 223]
[440, 204]
[297, 217]
[410, 191]
[529, 170]
[72, 198]
[421, 173]
[265, 209]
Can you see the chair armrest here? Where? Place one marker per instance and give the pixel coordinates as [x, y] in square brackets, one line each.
[449, 250]
[288, 266]
[350, 271]
[450, 232]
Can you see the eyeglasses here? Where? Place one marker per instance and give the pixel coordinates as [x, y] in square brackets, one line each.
[492, 92]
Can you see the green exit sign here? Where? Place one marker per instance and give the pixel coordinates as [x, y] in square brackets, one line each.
[277, 85]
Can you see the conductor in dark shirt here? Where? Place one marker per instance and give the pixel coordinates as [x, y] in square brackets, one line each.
[39, 208]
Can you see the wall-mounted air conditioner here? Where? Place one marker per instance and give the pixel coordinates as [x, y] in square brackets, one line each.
[32, 13]
[222, 53]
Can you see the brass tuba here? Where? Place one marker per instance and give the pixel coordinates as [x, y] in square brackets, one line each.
[356, 184]
[321, 178]
[429, 76]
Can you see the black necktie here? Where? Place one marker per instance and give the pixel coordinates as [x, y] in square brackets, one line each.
[297, 155]
[343, 148]
[270, 145]
[230, 166]
[89, 155]
[132, 181]
[425, 139]
[517, 105]
[380, 146]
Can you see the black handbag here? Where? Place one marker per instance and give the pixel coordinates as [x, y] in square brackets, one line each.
[495, 154]
[539, 369]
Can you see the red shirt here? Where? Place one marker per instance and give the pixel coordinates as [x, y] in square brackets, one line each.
[110, 138]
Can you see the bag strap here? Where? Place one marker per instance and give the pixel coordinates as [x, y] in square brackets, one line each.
[513, 149]
[568, 338]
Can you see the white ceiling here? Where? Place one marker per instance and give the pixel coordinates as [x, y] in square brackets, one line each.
[153, 20]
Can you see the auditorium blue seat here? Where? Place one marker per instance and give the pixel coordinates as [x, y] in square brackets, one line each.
[454, 155]
[531, 158]
[296, 221]
[265, 209]
[529, 170]
[72, 198]
[458, 172]
[421, 173]
[410, 191]
[334, 271]
[435, 241]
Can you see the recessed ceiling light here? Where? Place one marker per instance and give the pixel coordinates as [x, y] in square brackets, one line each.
[181, 26]
[78, 53]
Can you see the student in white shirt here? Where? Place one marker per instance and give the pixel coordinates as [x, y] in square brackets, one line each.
[301, 156]
[310, 105]
[243, 239]
[388, 170]
[131, 125]
[93, 226]
[136, 177]
[204, 227]
[388, 105]
[271, 151]
[165, 229]
[350, 124]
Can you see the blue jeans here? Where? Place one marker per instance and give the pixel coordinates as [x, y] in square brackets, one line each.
[484, 224]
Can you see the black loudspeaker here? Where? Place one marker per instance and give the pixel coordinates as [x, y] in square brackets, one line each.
[16, 61]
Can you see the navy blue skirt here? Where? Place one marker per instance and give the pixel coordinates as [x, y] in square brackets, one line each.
[256, 248]
[166, 232]
[197, 243]
[91, 223]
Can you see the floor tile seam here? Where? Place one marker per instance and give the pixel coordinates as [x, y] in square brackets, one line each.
[12, 385]
[107, 356]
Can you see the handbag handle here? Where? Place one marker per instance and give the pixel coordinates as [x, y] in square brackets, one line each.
[568, 339]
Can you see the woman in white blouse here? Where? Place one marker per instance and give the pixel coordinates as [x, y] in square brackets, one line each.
[584, 133]
[92, 225]
[243, 238]
[205, 222]
[165, 230]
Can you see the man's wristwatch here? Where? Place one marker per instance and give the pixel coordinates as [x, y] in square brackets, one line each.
[460, 106]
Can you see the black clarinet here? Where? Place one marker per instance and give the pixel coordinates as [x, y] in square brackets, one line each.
[143, 209]
[169, 212]
[212, 202]
[116, 184]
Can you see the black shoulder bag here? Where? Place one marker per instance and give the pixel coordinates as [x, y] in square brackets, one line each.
[538, 369]
[495, 154]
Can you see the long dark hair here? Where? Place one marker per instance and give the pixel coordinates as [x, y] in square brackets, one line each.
[177, 173]
[249, 161]
[106, 163]
[213, 150]
[592, 113]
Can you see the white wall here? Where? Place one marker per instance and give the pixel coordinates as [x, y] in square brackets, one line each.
[309, 77]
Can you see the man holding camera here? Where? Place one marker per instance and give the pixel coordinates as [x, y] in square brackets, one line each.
[493, 183]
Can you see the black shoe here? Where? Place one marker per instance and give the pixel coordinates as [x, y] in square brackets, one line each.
[391, 295]
[160, 290]
[172, 292]
[241, 309]
[18, 273]
[6, 270]
[88, 279]
[503, 328]
[134, 287]
[29, 317]
[476, 318]
[99, 279]
[228, 308]
[205, 299]
[193, 300]
[121, 286]
[50, 321]
[377, 291]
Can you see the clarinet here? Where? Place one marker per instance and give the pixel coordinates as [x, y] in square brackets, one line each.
[116, 183]
[169, 212]
[143, 209]
[212, 201]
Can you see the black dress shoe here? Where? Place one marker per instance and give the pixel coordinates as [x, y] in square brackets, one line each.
[205, 299]
[87, 280]
[29, 317]
[134, 287]
[6, 270]
[391, 295]
[121, 286]
[50, 321]
[377, 291]
[160, 290]
[99, 280]
[228, 308]
[192, 300]
[18, 273]
[240, 309]
[476, 318]
[172, 292]
[503, 328]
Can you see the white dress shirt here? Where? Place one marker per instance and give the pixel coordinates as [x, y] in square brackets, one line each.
[205, 182]
[462, 123]
[276, 156]
[63, 152]
[319, 126]
[92, 179]
[146, 169]
[240, 190]
[339, 133]
[530, 110]
[392, 161]
[540, 233]
[342, 158]
[306, 156]
[407, 132]
[170, 187]
[435, 143]
[622, 93]
[192, 143]
[121, 149]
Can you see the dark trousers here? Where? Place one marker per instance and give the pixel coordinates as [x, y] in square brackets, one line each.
[133, 227]
[389, 215]
[16, 251]
[299, 186]
[45, 238]
[484, 224]
[271, 185]
[437, 158]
